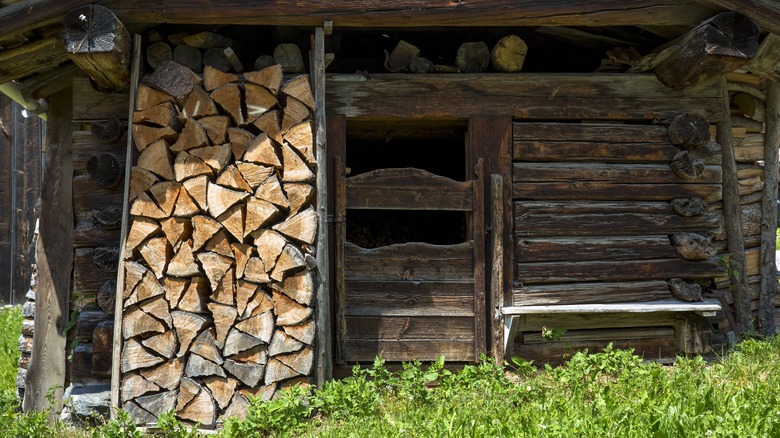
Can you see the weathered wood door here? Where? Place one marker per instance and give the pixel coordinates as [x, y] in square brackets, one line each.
[410, 300]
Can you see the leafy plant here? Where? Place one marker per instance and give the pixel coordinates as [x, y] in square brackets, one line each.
[122, 426]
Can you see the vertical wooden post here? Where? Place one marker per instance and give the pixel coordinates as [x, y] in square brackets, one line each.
[55, 262]
[497, 270]
[337, 204]
[323, 357]
[480, 261]
[766, 308]
[733, 212]
[116, 369]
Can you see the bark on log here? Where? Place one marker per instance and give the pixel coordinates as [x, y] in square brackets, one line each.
[216, 59]
[689, 207]
[174, 79]
[105, 170]
[694, 246]
[687, 167]
[685, 290]
[108, 131]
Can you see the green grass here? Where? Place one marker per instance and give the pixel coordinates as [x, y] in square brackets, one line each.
[10, 330]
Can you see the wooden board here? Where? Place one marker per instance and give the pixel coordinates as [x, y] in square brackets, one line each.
[574, 249]
[651, 348]
[590, 293]
[625, 270]
[366, 350]
[410, 298]
[609, 224]
[531, 172]
[594, 150]
[407, 189]
[604, 132]
[410, 261]
[90, 104]
[524, 95]
[404, 328]
[604, 191]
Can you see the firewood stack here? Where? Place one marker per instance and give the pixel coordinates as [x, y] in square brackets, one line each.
[218, 293]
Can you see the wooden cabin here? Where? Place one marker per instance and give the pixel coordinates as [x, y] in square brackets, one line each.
[243, 196]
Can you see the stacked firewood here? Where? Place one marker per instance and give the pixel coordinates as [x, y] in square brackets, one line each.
[218, 291]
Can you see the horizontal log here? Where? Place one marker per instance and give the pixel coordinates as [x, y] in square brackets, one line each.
[660, 349]
[90, 104]
[361, 350]
[529, 96]
[594, 321]
[597, 151]
[604, 132]
[88, 197]
[38, 56]
[403, 328]
[86, 145]
[603, 334]
[618, 173]
[574, 249]
[407, 189]
[410, 261]
[354, 13]
[605, 191]
[621, 224]
[409, 298]
[590, 293]
[625, 270]
[87, 276]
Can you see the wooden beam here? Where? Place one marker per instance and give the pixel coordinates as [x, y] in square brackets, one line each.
[99, 44]
[45, 84]
[733, 213]
[523, 95]
[405, 13]
[767, 60]
[32, 14]
[765, 12]
[41, 55]
[55, 263]
[766, 312]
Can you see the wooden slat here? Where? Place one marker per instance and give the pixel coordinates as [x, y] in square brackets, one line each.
[428, 298]
[337, 144]
[87, 276]
[479, 263]
[575, 249]
[366, 350]
[6, 196]
[410, 261]
[403, 328]
[555, 353]
[88, 196]
[407, 189]
[604, 334]
[598, 151]
[30, 14]
[523, 208]
[708, 305]
[591, 293]
[616, 173]
[529, 96]
[626, 270]
[602, 191]
[607, 224]
[90, 104]
[55, 264]
[497, 291]
[85, 145]
[603, 132]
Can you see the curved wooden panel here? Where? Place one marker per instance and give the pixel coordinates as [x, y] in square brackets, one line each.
[408, 189]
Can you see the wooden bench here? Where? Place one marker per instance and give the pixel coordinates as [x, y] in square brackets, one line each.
[511, 314]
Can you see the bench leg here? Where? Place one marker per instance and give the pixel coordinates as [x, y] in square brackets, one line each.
[510, 330]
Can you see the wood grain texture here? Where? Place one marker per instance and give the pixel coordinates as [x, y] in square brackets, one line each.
[605, 132]
[90, 104]
[410, 261]
[410, 298]
[766, 321]
[606, 191]
[575, 249]
[626, 270]
[525, 95]
[530, 172]
[366, 350]
[765, 12]
[594, 150]
[407, 189]
[55, 260]
[590, 293]
[35, 57]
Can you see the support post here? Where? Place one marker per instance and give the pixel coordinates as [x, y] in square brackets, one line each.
[733, 212]
[55, 263]
[766, 308]
[497, 269]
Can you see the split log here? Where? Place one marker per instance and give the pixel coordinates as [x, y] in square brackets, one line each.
[299, 196]
[294, 168]
[158, 403]
[687, 167]
[176, 230]
[260, 326]
[191, 137]
[158, 308]
[140, 180]
[289, 312]
[109, 218]
[270, 245]
[289, 57]
[216, 128]
[300, 361]
[220, 199]
[133, 385]
[214, 78]
[294, 112]
[258, 101]
[750, 106]
[767, 59]
[262, 151]
[282, 343]
[244, 289]
[291, 259]
[689, 130]
[108, 131]
[206, 346]
[264, 393]
[188, 389]
[421, 65]
[182, 264]
[694, 246]
[166, 375]
[270, 124]
[264, 61]
[156, 159]
[271, 191]
[226, 291]
[269, 77]
[508, 55]
[401, 57]
[689, 207]
[105, 170]
[147, 97]
[106, 259]
[299, 287]
[135, 356]
[200, 367]
[195, 297]
[165, 195]
[216, 59]
[299, 88]
[221, 389]
[248, 374]
[259, 304]
[197, 188]
[188, 326]
[718, 46]
[203, 229]
[140, 415]
[216, 157]
[276, 371]
[237, 341]
[157, 53]
[198, 104]
[220, 244]
[201, 409]
[174, 79]
[99, 44]
[174, 288]
[144, 135]
[157, 252]
[302, 226]
[188, 57]
[162, 115]
[258, 213]
[134, 274]
[239, 141]
[239, 406]
[215, 266]
[147, 288]
[685, 290]
[228, 97]
[303, 332]
[164, 344]
[106, 297]
[136, 322]
[224, 317]
[473, 57]
[255, 271]
[207, 40]
[144, 206]
[301, 137]
[185, 205]
[255, 355]
[232, 178]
